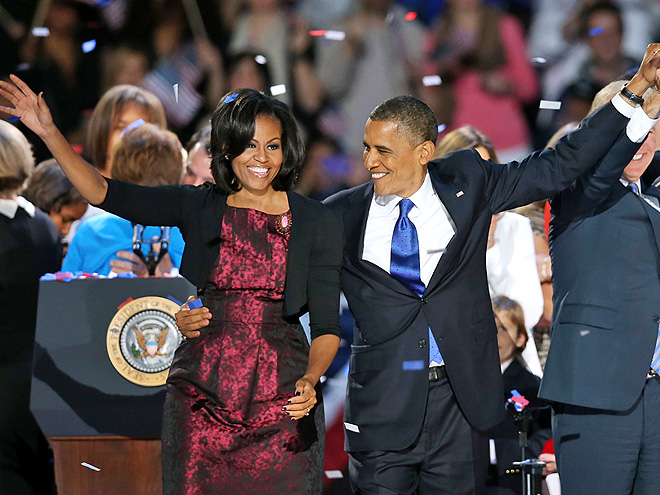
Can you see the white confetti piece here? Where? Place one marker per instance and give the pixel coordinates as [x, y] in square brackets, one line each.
[539, 60]
[550, 105]
[260, 59]
[176, 92]
[335, 35]
[434, 80]
[442, 127]
[278, 89]
[40, 32]
[334, 474]
[352, 427]
[93, 468]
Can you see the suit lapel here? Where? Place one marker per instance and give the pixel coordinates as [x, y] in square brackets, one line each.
[355, 224]
[455, 199]
[652, 195]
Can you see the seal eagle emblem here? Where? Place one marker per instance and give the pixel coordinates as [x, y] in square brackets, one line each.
[142, 338]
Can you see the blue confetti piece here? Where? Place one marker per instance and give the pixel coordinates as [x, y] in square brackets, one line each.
[102, 3]
[596, 31]
[88, 46]
[515, 393]
[14, 119]
[48, 277]
[195, 303]
[441, 128]
[231, 97]
[413, 365]
[133, 125]
[127, 275]
[175, 300]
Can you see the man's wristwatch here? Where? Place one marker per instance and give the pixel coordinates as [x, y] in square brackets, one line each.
[638, 100]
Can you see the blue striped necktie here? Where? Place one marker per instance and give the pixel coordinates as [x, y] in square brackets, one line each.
[404, 263]
[655, 362]
[633, 187]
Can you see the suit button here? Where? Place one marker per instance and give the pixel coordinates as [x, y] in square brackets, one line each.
[422, 343]
[656, 318]
[424, 300]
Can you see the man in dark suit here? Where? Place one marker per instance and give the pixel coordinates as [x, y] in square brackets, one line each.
[424, 377]
[602, 367]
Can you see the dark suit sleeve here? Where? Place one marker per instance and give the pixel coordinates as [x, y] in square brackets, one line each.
[161, 205]
[590, 190]
[543, 174]
[324, 271]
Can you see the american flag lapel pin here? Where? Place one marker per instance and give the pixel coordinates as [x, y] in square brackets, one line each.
[459, 194]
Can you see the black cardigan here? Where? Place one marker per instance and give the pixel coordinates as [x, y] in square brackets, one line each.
[315, 244]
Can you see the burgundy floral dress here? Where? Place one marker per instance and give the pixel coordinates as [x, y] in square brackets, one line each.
[224, 431]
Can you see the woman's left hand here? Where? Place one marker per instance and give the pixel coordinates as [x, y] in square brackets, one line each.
[302, 403]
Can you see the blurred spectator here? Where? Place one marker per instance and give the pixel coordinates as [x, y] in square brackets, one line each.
[379, 59]
[119, 107]
[479, 52]
[577, 78]
[56, 63]
[505, 448]
[553, 33]
[326, 170]
[510, 256]
[248, 69]
[52, 192]
[29, 247]
[198, 163]
[124, 65]
[148, 156]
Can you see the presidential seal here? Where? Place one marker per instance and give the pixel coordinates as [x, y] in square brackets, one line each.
[142, 338]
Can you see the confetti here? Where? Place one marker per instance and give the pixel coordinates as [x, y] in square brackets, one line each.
[40, 32]
[317, 32]
[596, 31]
[88, 46]
[278, 89]
[442, 127]
[413, 365]
[14, 119]
[352, 427]
[231, 97]
[549, 105]
[389, 18]
[195, 303]
[93, 468]
[260, 59]
[539, 60]
[334, 475]
[102, 3]
[434, 80]
[176, 92]
[411, 16]
[335, 35]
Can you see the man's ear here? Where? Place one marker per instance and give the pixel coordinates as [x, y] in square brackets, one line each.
[426, 150]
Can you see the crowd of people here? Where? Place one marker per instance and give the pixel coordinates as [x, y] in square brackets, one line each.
[106, 122]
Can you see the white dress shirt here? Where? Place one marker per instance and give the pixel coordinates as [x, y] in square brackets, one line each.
[8, 207]
[434, 229]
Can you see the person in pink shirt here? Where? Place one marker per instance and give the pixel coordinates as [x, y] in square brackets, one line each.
[479, 53]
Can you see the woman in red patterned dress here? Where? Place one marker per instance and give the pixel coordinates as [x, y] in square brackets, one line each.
[242, 413]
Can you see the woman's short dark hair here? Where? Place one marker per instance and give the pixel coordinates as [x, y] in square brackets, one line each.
[49, 189]
[232, 129]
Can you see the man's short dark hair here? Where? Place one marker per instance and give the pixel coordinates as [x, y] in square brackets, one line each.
[415, 120]
[232, 129]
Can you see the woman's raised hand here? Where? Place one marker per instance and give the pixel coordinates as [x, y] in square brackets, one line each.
[30, 107]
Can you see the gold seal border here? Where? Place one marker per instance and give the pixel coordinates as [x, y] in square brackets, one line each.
[114, 333]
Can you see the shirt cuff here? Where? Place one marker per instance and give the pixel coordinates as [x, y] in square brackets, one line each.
[639, 126]
[622, 107]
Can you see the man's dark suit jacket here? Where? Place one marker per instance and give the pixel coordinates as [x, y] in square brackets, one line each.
[604, 243]
[385, 398]
[313, 258]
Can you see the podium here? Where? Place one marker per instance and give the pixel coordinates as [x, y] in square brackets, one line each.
[102, 352]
